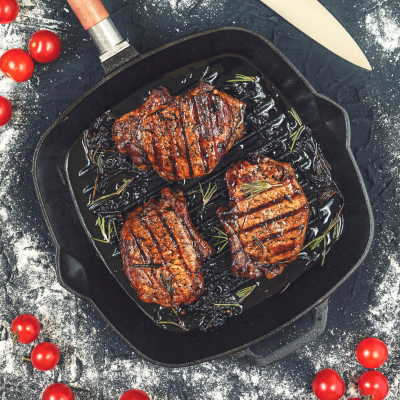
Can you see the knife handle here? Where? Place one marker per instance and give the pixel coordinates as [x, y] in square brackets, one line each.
[89, 12]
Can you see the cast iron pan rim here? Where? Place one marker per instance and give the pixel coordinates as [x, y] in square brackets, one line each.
[61, 118]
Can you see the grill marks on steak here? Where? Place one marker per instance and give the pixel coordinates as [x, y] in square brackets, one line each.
[277, 217]
[183, 136]
[162, 233]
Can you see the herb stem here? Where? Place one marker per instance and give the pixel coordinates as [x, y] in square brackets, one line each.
[121, 189]
[252, 189]
[246, 292]
[318, 240]
[243, 78]
[224, 240]
[207, 195]
[300, 129]
[172, 323]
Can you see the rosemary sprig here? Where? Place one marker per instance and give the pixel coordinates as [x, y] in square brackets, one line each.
[224, 240]
[121, 189]
[172, 323]
[317, 241]
[177, 316]
[179, 325]
[115, 229]
[254, 188]
[207, 195]
[243, 78]
[258, 242]
[228, 305]
[336, 231]
[98, 163]
[243, 294]
[295, 134]
[95, 186]
[150, 265]
[102, 225]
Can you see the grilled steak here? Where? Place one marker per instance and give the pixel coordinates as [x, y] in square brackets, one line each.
[162, 252]
[183, 136]
[266, 229]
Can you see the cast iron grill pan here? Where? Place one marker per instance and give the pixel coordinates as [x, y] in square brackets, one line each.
[80, 269]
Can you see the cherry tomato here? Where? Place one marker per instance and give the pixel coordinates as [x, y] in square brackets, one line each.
[58, 391]
[373, 384]
[5, 116]
[26, 328]
[44, 46]
[328, 385]
[17, 64]
[371, 353]
[8, 11]
[134, 394]
[45, 356]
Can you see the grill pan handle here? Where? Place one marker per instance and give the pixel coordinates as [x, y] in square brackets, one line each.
[248, 357]
[95, 19]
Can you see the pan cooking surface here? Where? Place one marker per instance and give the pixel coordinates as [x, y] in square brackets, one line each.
[271, 129]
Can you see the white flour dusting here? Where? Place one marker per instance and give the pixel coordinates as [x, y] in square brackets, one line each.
[101, 369]
[385, 28]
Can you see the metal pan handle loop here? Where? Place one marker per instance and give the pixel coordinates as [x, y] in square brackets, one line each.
[248, 357]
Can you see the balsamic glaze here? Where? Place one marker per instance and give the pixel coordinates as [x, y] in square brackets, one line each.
[270, 126]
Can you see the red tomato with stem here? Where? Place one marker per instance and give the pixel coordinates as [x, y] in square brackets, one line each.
[134, 394]
[328, 385]
[17, 64]
[45, 356]
[5, 116]
[58, 391]
[44, 46]
[26, 328]
[372, 353]
[374, 385]
[8, 11]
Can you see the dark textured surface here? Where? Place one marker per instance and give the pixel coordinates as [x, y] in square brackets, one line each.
[94, 361]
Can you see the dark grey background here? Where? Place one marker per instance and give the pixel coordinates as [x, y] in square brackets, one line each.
[94, 361]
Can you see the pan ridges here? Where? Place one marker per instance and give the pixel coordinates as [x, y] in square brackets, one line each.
[162, 233]
[183, 136]
[266, 231]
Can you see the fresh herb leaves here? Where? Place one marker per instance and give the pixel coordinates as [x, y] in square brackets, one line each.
[172, 323]
[224, 240]
[207, 195]
[252, 189]
[317, 241]
[258, 242]
[179, 324]
[101, 222]
[121, 189]
[243, 78]
[243, 294]
[300, 128]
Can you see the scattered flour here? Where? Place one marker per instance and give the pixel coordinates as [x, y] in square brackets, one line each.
[385, 28]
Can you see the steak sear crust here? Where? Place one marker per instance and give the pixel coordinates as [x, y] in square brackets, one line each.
[162, 233]
[266, 231]
[183, 136]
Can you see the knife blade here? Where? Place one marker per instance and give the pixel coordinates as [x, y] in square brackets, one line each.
[312, 18]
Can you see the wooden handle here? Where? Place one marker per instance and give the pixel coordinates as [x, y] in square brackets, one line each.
[89, 12]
